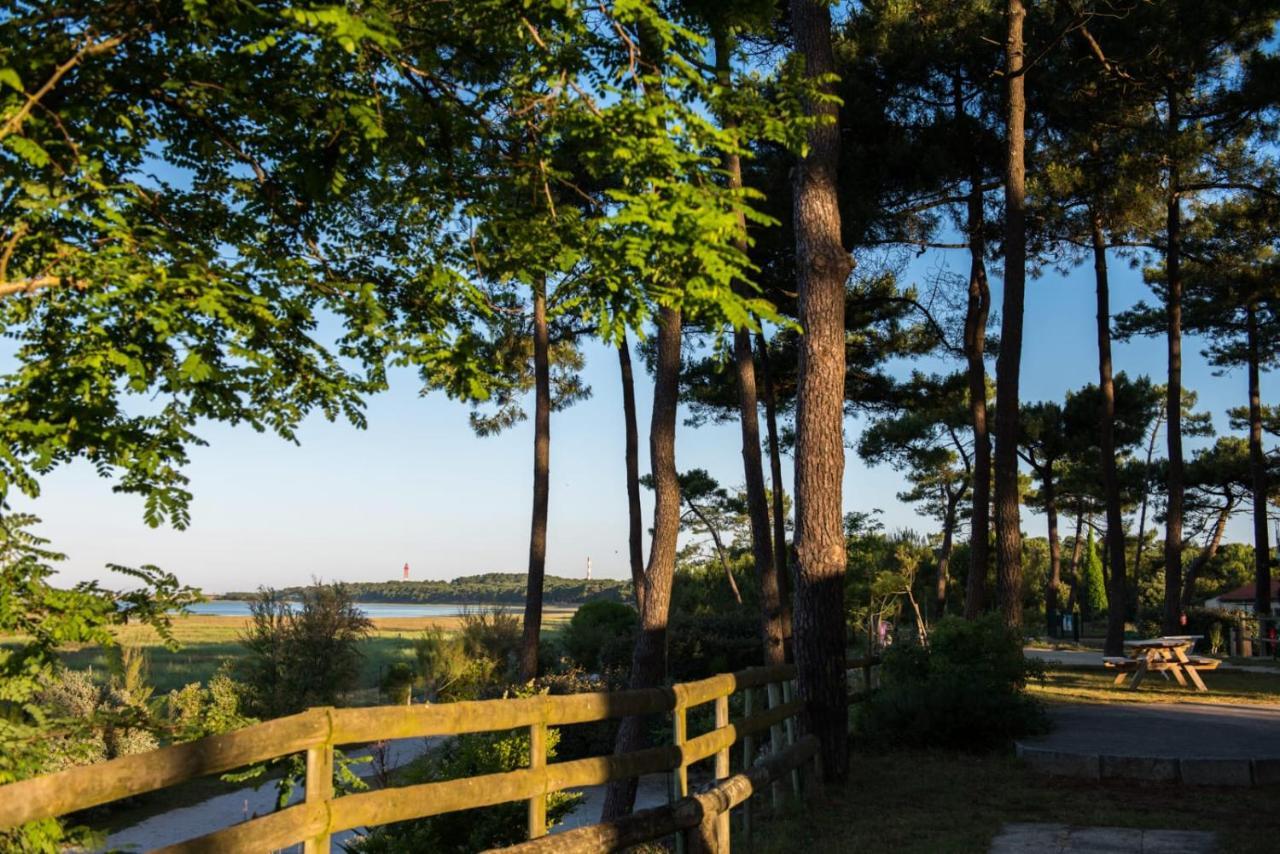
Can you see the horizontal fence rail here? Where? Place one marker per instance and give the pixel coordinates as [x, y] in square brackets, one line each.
[318, 731]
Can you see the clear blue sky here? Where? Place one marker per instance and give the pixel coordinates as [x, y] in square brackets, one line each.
[419, 487]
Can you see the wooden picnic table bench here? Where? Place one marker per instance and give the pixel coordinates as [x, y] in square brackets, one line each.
[1166, 655]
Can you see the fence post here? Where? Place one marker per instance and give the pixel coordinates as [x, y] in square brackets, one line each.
[680, 782]
[775, 743]
[319, 789]
[787, 693]
[722, 772]
[748, 756]
[538, 764]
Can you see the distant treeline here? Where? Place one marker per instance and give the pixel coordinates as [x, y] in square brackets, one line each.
[499, 588]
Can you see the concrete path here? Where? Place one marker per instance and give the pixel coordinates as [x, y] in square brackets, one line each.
[1201, 743]
[1066, 839]
[1088, 658]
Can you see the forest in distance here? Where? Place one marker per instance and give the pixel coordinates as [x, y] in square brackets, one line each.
[491, 588]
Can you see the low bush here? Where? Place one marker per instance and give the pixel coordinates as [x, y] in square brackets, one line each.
[600, 635]
[701, 645]
[964, 691]
[473, 830]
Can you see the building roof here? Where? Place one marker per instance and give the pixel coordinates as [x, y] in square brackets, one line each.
[1246, 593]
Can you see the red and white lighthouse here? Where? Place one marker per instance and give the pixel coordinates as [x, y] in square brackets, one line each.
[406, 572]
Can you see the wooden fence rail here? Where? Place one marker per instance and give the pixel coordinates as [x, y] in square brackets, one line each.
[318, 731]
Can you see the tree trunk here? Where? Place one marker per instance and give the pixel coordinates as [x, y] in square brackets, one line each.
[541, 485]
[1117, 588]
[1173, 400]
[649, 659]
[944, 555]
[1075, 562]
[1055, 547]
[720, 552]
[1202, 559]
[1146, 495]
[822, 267]
[635, 526]
[975, 342]
[1009, 363]
[780, 557]
[1258, 470]
[749, 418]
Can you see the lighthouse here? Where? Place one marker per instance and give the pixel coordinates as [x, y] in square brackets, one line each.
[406, 572]
[588, 567]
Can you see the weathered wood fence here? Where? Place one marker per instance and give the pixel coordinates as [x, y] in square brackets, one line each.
[318, 731]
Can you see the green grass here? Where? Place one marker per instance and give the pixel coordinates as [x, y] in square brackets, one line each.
[1094, 685]
[934, 803]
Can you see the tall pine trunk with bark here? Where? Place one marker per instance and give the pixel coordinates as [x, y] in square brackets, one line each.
[1117, 588]
[1173, 388]
[822, 267]
[649, 658]
[781, 559]
[1009, 362]
[635, 523]
[749, 419]
[1258, 471]
[975, 338]
[541, 484]
[1055, 547]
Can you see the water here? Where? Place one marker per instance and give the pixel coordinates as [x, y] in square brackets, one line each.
[373, 610]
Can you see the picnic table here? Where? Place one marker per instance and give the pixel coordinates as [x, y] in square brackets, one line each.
[1166, 655]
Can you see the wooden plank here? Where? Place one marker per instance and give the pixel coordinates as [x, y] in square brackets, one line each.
[538, 762]
[648, 825]
[787, 689]
[775, 742]
[268, 833]
[319, 792]
[91, 785]
[722, 766]
[748, 755]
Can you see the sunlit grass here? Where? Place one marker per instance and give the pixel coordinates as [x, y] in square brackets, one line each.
[1094, 685]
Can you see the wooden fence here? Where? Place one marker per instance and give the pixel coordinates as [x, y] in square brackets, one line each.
[318, 731]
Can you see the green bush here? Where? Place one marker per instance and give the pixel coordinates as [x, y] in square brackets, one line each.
[705, 644]
[965, 691]
[600, 635]
[471, 830]
[397, 684]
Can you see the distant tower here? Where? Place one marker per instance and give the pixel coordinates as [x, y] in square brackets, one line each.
[406, 572]
[588, 567]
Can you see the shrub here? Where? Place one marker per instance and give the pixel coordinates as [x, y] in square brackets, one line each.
[473, 830]
[448, 670]
[600, 635]
[397, 684]
[303, 657]
[705, 644]
[195, 711]
[966, 690]
[493, 634]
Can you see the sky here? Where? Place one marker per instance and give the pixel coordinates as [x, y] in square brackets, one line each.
[419, 487]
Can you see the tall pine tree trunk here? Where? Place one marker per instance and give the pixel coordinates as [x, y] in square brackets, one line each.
[1075, 561]
[1009, 363]
[749, 418]
[1117, 589]
[1258, 471]
[975, 343]
[649, 658]
[1173, 400]
[1055, 547]
[780, 557]
[541, 485]
[822, 267]
[635, 524]
[944, 555]
[1146, 496]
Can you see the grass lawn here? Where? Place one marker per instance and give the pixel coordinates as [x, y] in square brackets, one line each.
[1093, 685]
[940, 802]
[208, 641]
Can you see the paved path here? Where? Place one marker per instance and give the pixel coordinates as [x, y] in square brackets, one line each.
[1083, 658]
[1197, 743]
[1066, 839]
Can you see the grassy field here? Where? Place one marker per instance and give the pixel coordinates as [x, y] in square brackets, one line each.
[934, 803]
[1093, 685]
[207, 642]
